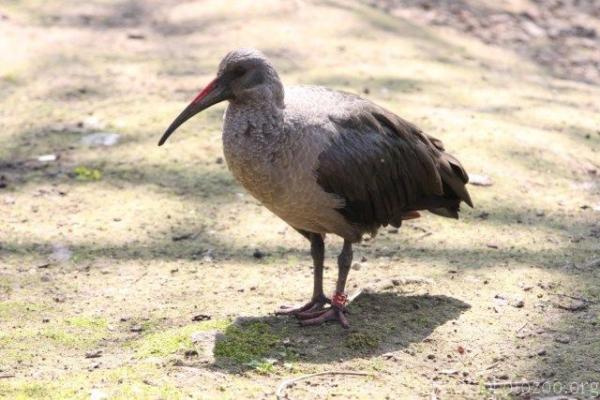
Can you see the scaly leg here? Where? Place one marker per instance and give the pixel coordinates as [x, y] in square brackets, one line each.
[338, 302]
[318, 300]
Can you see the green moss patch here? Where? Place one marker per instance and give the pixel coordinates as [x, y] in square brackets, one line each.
[247, 344]
[87, 174]
[361, 341]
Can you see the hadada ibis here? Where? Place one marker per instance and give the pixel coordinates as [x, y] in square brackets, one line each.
[326, 161]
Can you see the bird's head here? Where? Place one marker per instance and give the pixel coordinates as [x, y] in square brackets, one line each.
[244, 75]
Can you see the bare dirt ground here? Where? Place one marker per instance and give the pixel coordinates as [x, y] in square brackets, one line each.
[132, 271]
[563, 36]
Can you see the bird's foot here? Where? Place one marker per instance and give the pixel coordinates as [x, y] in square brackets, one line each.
[335, 313]
[314, 306]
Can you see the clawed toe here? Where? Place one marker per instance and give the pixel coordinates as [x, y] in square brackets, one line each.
[314, 312]
[331, 314]
[313, 306]
[311, 313]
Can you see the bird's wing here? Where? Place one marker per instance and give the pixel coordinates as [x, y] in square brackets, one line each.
[383, 166]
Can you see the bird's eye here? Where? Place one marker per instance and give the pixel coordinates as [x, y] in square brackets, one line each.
[239, 71]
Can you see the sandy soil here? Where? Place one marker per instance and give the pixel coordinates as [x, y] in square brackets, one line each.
[130, 271]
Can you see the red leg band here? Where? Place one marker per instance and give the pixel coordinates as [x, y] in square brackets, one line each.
[339, 300]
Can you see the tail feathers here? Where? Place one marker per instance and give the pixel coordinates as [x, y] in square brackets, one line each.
[445, 212]
[454, 176]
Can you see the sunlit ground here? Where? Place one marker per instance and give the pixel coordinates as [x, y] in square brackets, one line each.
[116, 249]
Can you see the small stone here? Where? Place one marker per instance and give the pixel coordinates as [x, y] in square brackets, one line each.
[47, 158]
[571, 304]
[541, 353]
[201, 317]
[563, 339]
[517, 303]
[258, 254]
[100, 139]
[533, 29]
[431, 356]
[136, 328]
[190, 353]
[449, 371]
[480, 180]
[183, 236]
[93, 354]
[204, 343]
[135, 35]
[356, 266]
[548, 374]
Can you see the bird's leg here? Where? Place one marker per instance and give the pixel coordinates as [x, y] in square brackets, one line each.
[318, 300]
[338, 302]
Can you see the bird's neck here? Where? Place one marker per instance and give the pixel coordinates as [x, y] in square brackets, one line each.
[254, 118]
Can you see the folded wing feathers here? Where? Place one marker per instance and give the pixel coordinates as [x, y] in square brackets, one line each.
[381, 164]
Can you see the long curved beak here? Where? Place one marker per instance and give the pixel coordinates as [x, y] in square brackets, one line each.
[213, 93]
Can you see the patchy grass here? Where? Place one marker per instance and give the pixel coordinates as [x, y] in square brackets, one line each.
[87, 174]
[141, 382]
[164, 234]
[170, 341]
[19, 308]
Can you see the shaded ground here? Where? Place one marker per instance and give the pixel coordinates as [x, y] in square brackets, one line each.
[561, 35]
[128, 271]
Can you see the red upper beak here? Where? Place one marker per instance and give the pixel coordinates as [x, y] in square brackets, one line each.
[213, 93]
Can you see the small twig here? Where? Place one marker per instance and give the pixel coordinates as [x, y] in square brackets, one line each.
[354, 295]
[6, 376]
[486, 369]
[418, 228]
[423, 236]
[522, 327]
[572, 297]
[288, 382]
[139, 278]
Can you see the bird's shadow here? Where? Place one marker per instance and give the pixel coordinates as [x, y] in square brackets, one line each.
[380, 323]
